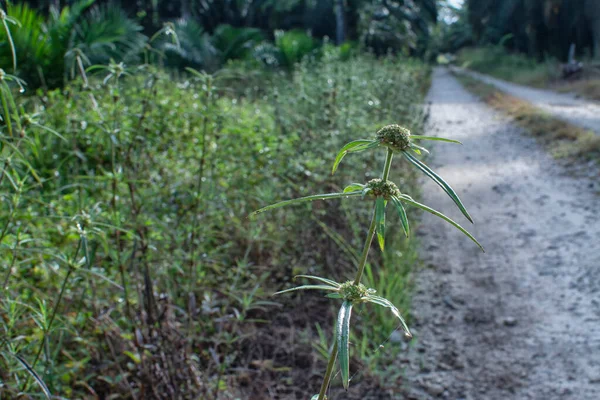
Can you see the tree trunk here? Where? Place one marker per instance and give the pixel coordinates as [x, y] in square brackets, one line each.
[340, 36]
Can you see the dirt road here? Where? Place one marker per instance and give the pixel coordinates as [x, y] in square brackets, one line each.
[521, 321]
[564, 106]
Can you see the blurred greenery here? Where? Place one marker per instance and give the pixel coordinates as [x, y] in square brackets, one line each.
[541, 29]
[203, 34]
[129, 267]
[519, 68]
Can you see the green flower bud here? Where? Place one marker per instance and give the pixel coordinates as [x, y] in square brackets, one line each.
[395, 137]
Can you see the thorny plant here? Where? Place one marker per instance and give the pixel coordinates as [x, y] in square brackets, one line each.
[396, 139]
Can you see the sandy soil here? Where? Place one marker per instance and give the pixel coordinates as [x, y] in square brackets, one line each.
[521, 321]
[564, 106]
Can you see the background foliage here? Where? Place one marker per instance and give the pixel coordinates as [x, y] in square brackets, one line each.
[538, 28]
[129, 268]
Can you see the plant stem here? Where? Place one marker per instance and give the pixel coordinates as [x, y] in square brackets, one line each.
[365, 253]
[361, 268]
[388, 164]
[329, 370]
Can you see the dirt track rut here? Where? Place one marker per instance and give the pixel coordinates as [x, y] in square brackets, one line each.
[521, 321]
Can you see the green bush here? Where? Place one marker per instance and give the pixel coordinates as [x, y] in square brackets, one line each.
[48, 46]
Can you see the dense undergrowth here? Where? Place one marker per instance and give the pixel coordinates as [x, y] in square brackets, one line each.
[128, 266]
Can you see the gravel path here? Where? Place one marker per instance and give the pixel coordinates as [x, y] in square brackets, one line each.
[585, 114]
[521, 321]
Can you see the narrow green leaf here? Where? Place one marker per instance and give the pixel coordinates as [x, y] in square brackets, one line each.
[352, 147]
[334, 296]
[410, 201]
[418, 149]
[10, 42]
[438, 139]
[386, 303]
[353, 187]
[403, 216]
[304, 200]
[34, 375]
[307, 287]
[343, 334]
[7, 117]
[380, 221]
[442, 183]
[318, 278]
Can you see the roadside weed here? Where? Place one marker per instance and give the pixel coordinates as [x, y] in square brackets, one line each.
[395, 139]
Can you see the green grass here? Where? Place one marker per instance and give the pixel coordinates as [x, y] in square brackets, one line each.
[128, 260]
[513, 67]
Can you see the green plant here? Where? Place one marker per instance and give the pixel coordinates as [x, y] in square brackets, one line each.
[51, 45]
[156, 172]
[395, 139]
[293, 46]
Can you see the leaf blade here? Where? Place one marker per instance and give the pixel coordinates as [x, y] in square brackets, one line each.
[343, 334]
[307, 287]
[430, 210]
[435, 138]
[304, 200]
[34, 374]
[318, 278]
[402, 214]
[353, 187]
[380, 221]
[386, 303]
[352, 147]
[442, 183]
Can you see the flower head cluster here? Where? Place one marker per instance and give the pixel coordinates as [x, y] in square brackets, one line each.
[354, 293]
[395, 137]
[381, 188]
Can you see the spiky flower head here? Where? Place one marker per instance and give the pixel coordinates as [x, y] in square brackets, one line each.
[354, 293]
[381, 188]
[395, 137]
